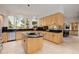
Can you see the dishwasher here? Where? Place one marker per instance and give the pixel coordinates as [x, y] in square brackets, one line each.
[11, 36]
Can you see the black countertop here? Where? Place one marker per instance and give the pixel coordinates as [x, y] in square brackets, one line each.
[56, 31]
[5, 29]
[14, 30]
[33, 34]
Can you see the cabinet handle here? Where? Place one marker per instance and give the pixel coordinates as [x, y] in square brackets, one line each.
[24, 40]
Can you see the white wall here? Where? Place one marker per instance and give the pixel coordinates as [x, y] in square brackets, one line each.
[5, 23]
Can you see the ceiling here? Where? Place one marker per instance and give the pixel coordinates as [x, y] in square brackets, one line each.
[39, 10]
[34, 10]
[71, 10]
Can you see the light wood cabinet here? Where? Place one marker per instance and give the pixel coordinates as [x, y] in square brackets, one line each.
[57, 38]
[46, 35]
[44, 22]
[60, 19]
[4, 37]
[74, 28]
[57, 19]
[18, 35]
[32, 45]
[54, 37]
[41, 22]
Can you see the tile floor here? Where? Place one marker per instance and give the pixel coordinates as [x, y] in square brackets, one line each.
[14, 47]
[70, 45]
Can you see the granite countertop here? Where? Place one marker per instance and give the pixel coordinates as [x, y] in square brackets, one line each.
[14, 30]
[33, 34]
[55, 31]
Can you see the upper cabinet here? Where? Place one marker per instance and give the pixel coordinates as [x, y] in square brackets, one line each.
[55, 19]
[59, 19]
[74, 25]
[41, 22]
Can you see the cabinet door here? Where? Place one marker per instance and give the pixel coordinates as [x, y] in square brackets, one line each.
[46, 35]
[4, 37]
[55, 38]
[44, 22]
[18, 35]
[60, 19]
[50, 37]
[25, 45]
[34, 44]
[48, 21]
[41, 22]
[58, 38]
[54, 19]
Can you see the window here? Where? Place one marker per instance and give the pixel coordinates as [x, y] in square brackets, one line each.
[34, 23]
[17, 22]
[11, 22]
[20, 22]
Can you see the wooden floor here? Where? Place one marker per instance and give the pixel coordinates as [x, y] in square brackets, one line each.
[70, 45]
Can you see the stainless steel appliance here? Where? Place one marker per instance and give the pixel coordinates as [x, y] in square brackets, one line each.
[11, 36]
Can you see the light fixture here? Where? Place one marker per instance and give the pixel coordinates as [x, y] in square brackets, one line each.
[28, 5]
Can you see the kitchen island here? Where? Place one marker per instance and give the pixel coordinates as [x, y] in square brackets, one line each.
[32, 42]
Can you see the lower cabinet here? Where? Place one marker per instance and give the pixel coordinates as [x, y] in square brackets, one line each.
[58, 38]
[54, 37]
[18, 35]
[74, 32]
[32, 45]
[4, 37]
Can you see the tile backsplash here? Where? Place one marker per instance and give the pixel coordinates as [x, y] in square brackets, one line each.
[55, 27]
